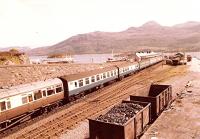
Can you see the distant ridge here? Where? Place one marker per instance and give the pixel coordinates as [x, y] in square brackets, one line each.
[151, 24]
[188, 24]
[21, 49]
[151, 35]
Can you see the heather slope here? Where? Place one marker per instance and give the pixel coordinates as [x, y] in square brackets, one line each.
[151, 35]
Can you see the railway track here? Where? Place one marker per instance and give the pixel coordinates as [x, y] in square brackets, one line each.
[94, 103]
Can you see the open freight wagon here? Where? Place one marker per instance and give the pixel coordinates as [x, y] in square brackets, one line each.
[159, 96]
[131, 129]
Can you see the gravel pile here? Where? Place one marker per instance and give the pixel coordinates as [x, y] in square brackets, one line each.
[16, 75]
[120, 114]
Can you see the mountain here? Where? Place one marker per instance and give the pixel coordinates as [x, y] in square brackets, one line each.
[151, 35]
[188, 24]
[151, 24]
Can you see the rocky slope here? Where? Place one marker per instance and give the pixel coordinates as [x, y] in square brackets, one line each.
[148, 36]
[13, 57]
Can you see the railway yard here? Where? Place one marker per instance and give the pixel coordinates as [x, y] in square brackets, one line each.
[180, 120]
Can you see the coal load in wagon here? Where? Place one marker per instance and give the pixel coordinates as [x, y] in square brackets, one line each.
[127, 120]
[120, 114]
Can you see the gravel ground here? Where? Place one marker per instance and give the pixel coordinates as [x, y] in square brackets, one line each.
[15, 75]
[182, 119]
[81, 132]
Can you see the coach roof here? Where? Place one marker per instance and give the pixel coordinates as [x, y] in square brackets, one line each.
[127, 64]
[81, 75]
[25, 88]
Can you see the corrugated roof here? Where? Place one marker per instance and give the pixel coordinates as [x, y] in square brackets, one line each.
[15, 90]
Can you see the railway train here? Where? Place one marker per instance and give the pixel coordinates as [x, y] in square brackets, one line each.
[22, 101]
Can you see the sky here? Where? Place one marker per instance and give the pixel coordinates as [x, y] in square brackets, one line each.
[37, 23]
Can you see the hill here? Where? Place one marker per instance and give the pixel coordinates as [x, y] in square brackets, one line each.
[151, 35]
[12, 57]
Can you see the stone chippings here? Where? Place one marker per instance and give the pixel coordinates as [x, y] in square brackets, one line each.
[120, 114]
[16, 75]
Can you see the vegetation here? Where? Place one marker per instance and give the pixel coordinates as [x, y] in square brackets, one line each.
[14, 51]
[12, 56]
[60, 55]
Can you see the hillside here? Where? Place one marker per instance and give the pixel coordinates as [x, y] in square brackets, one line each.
[151, 35]
[13, 57]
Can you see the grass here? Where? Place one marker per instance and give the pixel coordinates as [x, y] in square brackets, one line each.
[13, 57]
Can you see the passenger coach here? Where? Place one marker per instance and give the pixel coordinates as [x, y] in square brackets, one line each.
[24, 99]
[87, 81]
[127, 69]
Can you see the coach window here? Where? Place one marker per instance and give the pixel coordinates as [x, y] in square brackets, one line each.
[44, 92]
[8, 104]
[92, 79]
[104, 75]
[50, 91]
[2, 106]
[108, 74]
[98, 78]
[37, 95]
[30, 97]
[24, 100]
[59, 89]
[80, 82]
[75, 83]
[111, 73]
[87, 81]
